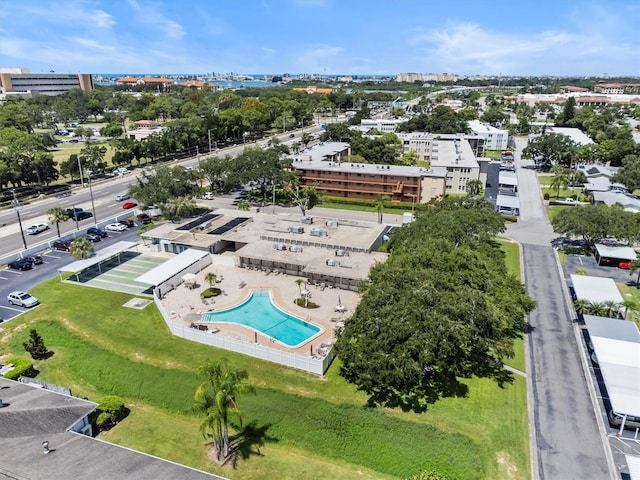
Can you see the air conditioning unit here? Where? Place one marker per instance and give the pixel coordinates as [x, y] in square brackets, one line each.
[342, 253]
[295, 248]
[307, 220]
[317, 232]
[296, 229]
[332, 223]
[279, 246]
[332, 263]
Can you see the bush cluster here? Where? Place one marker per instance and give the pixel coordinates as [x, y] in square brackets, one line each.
[22, 367]
[210, 292]
[110, 411]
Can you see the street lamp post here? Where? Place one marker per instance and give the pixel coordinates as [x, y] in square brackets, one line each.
[17, 207]
[80, 170]
[93, 207]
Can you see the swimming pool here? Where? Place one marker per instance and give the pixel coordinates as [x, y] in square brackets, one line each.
[259, 312]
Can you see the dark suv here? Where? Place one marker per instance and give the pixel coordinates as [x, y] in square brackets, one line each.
[63, 245]
[97, 231]
[21, 264]
[78, 214]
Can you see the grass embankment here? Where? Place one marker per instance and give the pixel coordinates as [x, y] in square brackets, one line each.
[633, 294]
[299, 425]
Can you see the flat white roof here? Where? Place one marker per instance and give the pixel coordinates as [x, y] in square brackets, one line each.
[171, 267]
[574, 134]
[633, 462]
[623, 253]
[595, 289]
[616, 344]
[507, 178]
[509, 201]
[100, 256]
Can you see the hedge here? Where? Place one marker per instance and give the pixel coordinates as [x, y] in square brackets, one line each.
[22, 367]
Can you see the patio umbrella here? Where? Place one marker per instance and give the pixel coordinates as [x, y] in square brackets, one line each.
[339, 301]
[187, 277]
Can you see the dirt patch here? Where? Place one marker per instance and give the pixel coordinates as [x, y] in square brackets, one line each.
[137, 303]
[508, 469]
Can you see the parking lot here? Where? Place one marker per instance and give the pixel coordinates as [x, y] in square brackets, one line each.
[12, 280]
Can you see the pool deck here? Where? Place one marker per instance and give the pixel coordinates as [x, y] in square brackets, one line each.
[237, 283]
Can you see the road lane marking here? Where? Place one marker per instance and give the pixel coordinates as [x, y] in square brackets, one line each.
[12, 309]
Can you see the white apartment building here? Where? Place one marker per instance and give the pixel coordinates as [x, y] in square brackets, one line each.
[494, 138]
[450, 151]
[383, 125]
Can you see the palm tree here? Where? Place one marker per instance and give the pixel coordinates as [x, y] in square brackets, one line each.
[560, 180]
[210, 278]
[474, 187]
[597, 309]
[581, 306]
[612, 308]
[629, 304]
[299, 282]
[633, 266]
[216, 397]
[380, 203]
[57, 215]
[81, 248]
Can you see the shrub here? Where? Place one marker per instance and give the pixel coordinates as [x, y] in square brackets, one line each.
[210, 292]
[300, 302]
[110, 411]
[22, 367]
[581, 271]
[546, 196]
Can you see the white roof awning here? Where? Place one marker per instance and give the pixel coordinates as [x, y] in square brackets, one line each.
[99, 256]
[508, 201]
[622, 253]
[596, 289]
[172, 267]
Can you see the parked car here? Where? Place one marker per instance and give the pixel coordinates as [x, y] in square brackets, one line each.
[22, 299]
[35, 229]
[128, 205]
[122, 197]
[208, 196]
[127, 223]
[63, 245]
[78, 214]
[115, 227]
[144, 218]
[292, 135]
[93, 237]
[98, 231]
[121, 171]
[35, 259]
[21, 264]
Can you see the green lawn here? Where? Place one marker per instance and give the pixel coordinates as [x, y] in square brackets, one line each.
[633, 294]
[493, 154]
[299, 424]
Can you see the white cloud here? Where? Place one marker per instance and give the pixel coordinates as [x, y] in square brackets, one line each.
[103, 19]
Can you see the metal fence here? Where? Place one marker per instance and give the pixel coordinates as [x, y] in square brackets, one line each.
[293, 360]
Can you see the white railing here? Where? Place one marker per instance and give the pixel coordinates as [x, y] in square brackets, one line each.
[293, 360]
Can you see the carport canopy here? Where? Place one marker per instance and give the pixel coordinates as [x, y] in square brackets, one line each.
[616, 344]
[99, 257]
[172, 267]
[620, 253]
[507, 201]
[596, 289]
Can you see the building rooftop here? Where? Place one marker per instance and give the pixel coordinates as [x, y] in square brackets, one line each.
[369, 168]
[575, 134]
[30, 416]
[452, 153]
[595, 289]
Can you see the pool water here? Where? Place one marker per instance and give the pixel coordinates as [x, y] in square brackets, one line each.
[259, 312]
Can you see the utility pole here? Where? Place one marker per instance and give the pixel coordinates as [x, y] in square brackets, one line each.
[209, 135]
[80, 170]
[93, 207]
[17, 207]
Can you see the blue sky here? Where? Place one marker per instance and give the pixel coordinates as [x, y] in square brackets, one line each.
[356, 37]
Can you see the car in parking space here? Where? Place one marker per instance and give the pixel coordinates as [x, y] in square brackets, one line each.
[35, 259]
[21, 264]
[127, 223]
[98, 231]
[23, 299]
[208, 196]
[122, 197]
[292, 135]
[128, 205]
[144, 218]
[63, 245]
[115, 227]
[35, 229]
[93, 237]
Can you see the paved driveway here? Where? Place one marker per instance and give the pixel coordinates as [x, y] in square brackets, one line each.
[567, 440]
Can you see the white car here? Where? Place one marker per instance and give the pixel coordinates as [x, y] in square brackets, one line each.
[35, 229]
[122, 197]
[23, 299]
[115, 227]
[207, 196]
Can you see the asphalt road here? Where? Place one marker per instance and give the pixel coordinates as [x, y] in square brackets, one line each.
[568, 440]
